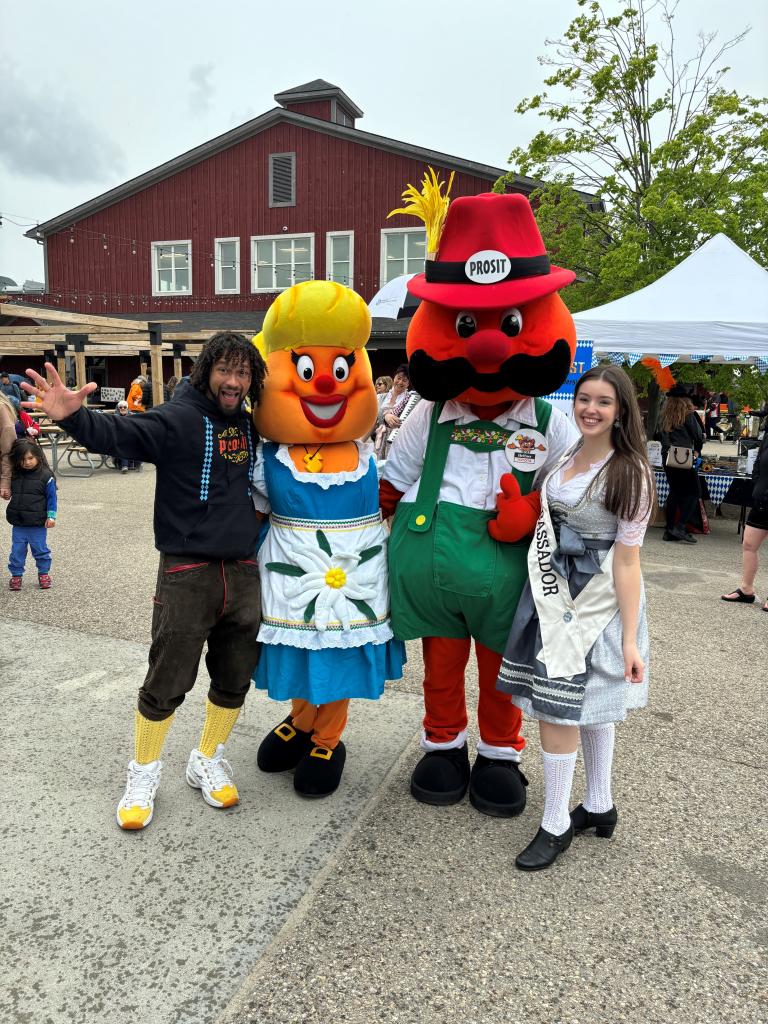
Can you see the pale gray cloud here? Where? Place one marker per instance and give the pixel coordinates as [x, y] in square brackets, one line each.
[45, 135]
[201, 90]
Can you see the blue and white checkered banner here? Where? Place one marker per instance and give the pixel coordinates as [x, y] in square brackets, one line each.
[582, 361]
[662, 487]
[634, 357]
[617, 358]
[594, 362]
[700, 359]
[717, 485]
[667, 358]
[762, 363]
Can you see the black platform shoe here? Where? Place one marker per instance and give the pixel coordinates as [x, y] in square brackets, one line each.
[544, 850]
[497, 787]
[283, 748]
[319, 772]
[603, 824]
[441, 777]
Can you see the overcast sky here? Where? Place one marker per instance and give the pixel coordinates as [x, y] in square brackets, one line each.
[92, 94]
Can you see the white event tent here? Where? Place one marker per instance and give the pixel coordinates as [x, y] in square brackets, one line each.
[712, 305]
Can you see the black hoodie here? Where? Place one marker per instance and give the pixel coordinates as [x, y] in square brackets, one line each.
[204, 459]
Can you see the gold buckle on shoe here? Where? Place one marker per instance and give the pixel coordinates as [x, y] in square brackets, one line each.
[322, 752]
[285, 732]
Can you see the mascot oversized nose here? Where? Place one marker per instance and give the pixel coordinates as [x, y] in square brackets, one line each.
[490, 337]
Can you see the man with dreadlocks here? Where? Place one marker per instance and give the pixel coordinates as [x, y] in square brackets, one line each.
[206, 531]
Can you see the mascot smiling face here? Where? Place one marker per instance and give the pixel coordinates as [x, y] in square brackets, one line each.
[491, 328]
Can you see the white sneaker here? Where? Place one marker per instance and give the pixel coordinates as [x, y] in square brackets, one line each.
[138, 803]
[213, 777]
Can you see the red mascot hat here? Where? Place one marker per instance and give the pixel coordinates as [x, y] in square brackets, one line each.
[491, 255]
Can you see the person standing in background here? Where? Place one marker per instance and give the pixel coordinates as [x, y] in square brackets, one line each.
[680, 427]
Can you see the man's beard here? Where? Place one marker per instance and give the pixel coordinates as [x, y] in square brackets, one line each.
[534, 376]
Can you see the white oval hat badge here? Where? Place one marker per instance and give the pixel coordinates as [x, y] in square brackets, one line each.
[487, 266]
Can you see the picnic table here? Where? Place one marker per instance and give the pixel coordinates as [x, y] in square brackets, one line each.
[719, 488]
[80, 461]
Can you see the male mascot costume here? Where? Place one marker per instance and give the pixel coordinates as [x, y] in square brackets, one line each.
[491, 334]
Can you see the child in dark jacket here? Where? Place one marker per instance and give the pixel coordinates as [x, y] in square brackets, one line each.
[31, 511]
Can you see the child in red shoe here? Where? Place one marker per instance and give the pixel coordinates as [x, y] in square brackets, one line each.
[31, 511]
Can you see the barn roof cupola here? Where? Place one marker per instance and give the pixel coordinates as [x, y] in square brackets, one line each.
[322, 100]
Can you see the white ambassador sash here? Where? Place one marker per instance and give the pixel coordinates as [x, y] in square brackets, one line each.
[569, 627]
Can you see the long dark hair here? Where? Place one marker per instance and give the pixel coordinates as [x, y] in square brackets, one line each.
[232, 348]
[629, 482]
[24, 446]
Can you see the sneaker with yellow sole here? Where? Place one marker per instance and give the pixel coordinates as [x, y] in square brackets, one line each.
[138, 803]
[213, 777]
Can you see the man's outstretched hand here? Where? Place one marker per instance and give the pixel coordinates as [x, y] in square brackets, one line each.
[56, 400]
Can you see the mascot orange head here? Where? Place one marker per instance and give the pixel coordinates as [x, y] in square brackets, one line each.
[491, 327]
[319, 388]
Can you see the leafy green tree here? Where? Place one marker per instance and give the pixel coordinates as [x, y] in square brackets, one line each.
[670, 155]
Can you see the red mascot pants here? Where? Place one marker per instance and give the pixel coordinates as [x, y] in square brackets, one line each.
[446, 711]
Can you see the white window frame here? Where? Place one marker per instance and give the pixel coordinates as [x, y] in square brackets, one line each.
[329, 236]
[383, 259]
[217, 265]
[277, 238]
[156, 246]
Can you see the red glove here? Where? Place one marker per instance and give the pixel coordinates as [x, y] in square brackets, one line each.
[388, 498]
[517, 513]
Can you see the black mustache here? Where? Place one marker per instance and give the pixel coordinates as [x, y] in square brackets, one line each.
[442, 379]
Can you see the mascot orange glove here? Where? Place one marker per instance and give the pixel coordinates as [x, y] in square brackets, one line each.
[517, 513]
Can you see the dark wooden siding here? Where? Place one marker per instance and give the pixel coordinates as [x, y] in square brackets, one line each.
[340, 186]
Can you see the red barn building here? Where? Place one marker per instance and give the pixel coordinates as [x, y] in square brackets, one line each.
[210, 237]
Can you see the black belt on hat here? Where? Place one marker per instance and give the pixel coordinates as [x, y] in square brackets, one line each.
[455, 273]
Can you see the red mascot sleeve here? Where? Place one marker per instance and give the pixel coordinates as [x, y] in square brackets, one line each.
[388, 498]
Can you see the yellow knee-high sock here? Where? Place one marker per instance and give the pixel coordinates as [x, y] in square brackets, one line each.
[216, 728]
[149, 738]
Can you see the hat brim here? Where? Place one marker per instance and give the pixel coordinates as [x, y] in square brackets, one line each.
[491, 296]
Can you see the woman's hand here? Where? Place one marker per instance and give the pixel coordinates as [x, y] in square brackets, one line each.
[391, 419]
[634, 666]
[5, 493]
[56, 400]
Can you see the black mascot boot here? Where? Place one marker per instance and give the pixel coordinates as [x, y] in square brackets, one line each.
[283, 748]
[497, 787]
[441, 777]
[319, 771]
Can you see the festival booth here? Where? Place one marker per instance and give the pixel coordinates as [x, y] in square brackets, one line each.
[711, 307]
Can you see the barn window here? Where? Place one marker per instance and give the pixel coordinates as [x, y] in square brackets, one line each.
[280, 261]
[172, 268]
[282, 179]
[339, 253]
[403, 251]
[227, 266]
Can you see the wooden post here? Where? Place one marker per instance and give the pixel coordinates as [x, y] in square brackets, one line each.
[156, 355]
[177, 350]
[143, 360]
[61, 362]
[78, 342]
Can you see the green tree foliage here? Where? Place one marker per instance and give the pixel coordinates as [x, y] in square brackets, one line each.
[671, 156]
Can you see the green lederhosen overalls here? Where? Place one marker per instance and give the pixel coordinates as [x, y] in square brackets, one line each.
[447, 576]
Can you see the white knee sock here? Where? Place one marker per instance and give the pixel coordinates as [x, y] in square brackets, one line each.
[558, 777]
[597, 749]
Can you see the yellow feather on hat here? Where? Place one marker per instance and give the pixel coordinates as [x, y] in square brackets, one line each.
[429, 205]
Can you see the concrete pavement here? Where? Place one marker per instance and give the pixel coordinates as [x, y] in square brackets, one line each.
[370, 906]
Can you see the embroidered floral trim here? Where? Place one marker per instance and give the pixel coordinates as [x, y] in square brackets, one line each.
[487, 438]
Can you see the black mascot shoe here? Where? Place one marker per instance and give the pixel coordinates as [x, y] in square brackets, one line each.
[283, 748]
[544, 850]
[441, 777]
[318, 773]
[497, 787]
